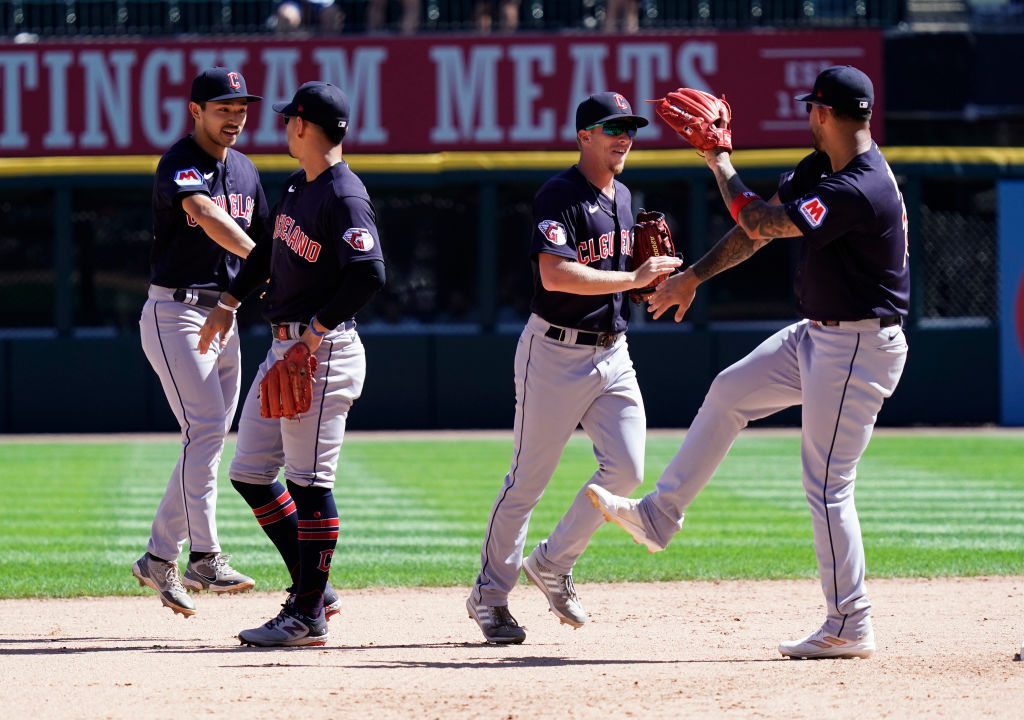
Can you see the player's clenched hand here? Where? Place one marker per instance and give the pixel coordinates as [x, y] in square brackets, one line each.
[654, 268]
[218, 322]
[677, 290]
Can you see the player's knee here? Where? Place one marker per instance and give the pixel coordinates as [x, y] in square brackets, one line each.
[622, 480]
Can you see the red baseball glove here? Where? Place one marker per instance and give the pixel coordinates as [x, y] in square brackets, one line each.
[651, 238]
[699, 118]
[287, 388]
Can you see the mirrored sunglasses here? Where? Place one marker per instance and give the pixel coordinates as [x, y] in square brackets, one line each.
[615, 130]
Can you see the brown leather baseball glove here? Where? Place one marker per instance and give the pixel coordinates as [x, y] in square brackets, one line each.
[699, 118]
[287, 388]
[651, 238]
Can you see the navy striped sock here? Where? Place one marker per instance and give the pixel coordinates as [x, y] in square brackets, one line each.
[275, 512]
[318, 536]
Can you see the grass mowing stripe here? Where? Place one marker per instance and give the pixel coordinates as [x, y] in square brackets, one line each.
[414, 512]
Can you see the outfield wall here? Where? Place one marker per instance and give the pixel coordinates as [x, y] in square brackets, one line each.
[434, 380]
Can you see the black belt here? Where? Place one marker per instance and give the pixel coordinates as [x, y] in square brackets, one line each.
[582, 337]
[195, 296]
[885, 321]
[293, 331]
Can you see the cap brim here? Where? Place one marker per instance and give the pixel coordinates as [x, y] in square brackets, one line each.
[285, 108]
[250, 98]
[635, 119]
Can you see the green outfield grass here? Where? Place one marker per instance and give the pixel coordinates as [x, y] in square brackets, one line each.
[77, 513]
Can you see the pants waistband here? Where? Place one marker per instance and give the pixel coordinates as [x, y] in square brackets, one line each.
[582, 337]
[879, 322]
[294, 330]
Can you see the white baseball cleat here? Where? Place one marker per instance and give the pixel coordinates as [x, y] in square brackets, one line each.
[821, 644]
[624, 512]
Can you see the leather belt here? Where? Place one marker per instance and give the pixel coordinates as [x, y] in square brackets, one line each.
[583, 337]
[287, 331]
[294, 330]
[883, 322]
[195, 296]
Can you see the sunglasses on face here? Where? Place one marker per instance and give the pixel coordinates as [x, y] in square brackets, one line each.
[808, 107]
[288, 117]
[615, 130]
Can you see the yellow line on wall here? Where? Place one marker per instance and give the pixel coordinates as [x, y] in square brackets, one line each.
[434, 163]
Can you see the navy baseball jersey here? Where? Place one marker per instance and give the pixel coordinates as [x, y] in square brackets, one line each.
[318, 228]
[573, 219]
[854, 260]
[182, 254]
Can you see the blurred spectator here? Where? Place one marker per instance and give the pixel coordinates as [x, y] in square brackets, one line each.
[503, 12]
[293, 15]
[377, 16]
[621, 15]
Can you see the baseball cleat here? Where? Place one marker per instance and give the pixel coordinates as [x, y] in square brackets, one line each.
[164, 578]
[332, 603]
[624, 512]
[290, 628]
[557, 588]
[821, 644]
[214, 574]
[496, 622]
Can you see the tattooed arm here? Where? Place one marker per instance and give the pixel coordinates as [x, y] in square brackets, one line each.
[679, 290]
[760, 220]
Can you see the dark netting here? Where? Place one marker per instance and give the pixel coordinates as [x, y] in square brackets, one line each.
[958, 255]
[26, 258]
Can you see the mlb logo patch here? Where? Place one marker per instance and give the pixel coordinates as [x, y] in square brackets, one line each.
[188, 178]
[814, 211]
[359, 238]
[553, 231]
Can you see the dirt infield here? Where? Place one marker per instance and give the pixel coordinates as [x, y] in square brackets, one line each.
[665, 650]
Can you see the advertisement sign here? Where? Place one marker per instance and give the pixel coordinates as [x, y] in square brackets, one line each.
[418, 94]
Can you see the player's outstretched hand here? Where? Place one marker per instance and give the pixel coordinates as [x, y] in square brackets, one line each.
[655, 269]
[218, 322]
[678, 290]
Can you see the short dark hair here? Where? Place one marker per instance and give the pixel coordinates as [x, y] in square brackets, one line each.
[858, 115]
[334, 135]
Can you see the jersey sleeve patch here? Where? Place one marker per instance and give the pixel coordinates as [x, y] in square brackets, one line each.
[359, 238]
[553, 231]
[814, 211]
[188, 178]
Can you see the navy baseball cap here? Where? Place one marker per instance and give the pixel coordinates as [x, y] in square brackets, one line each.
[605, 107]
[219, 83]
[318, 102]
[843, 87]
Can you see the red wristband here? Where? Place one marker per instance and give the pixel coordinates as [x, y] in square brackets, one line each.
[741, 201]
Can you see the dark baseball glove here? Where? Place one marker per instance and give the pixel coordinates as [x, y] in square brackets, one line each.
[651, 238]
[287, 388]
[699, 118]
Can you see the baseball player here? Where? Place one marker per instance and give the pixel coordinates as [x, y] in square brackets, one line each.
[324, 264]
[572, 367]
[206, 198]
[839, 363]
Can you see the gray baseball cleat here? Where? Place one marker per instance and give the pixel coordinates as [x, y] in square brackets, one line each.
[624, 512]
[164, 578]
[821, 644]
[214, 574]
[496, 622]
[291, 628]
[557, 588]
